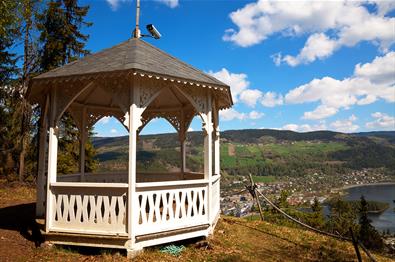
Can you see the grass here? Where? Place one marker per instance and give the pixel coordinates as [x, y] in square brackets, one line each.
[264, 179]
[234, 239]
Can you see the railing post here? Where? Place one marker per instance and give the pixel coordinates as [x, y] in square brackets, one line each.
[52, 162]
[41, 189]
[208, 168]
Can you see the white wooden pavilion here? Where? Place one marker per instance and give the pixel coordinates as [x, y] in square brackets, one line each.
[135, 83]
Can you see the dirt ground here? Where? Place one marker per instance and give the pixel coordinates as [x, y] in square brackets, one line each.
[234, 240]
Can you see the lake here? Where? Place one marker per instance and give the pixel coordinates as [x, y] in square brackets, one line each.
[379, 192]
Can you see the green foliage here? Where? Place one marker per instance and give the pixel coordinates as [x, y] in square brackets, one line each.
[342, 217]
[60, 26]
[368, 235]
[62, 42]
[317, 219]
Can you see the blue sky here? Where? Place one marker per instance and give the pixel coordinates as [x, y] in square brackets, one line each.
[301, 66]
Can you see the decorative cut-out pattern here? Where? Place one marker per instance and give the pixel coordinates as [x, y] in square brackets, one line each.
[169, 209]
[149, 90]
[90, 212]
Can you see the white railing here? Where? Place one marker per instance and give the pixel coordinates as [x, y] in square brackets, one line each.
[215, 201]
[90, 208]
[164, 206]
[122, 177]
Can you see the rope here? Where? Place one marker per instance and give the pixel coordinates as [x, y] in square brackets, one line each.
[312, 228]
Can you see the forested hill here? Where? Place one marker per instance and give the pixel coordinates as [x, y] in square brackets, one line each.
[253, 136]
[261, 151]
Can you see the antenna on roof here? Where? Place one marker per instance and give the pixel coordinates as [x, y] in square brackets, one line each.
[154, 33]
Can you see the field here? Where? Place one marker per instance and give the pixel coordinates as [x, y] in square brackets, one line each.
[234, 240]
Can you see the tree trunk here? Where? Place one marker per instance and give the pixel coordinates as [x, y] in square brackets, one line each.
[25, 82]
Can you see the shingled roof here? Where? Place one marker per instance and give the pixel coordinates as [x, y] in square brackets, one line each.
[133, 55]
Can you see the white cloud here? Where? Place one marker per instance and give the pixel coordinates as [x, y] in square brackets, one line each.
[318, 46]
[381, 121]
[305, 127]
[114, 4]
[380, 71]
[237, 82]
[250, 96]
[271, 99]
[255, 115]
[169, 3]
[345, 126]
[370, 82]
[104, 120]
[320, 112]
[233, 114]
[190, 129]
[113, 131]
[347, 22]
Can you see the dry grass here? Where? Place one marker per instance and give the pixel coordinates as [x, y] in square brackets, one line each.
[234, 240]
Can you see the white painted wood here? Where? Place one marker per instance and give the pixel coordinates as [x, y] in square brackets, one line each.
[217, 168]
[208, 169]
[83, 135]
[41, 177]
[89, 185]
[89, 208]
[163, 208]
[52, 162]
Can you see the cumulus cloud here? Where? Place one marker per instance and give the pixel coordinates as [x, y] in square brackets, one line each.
[169, 3]
[370, 82]
[237, 82]
[328, 25]
[255, 115]
[381, 121]
[250, 96]
[113, 131]
[114, 4]
[305, 127]
[233, 114]
[239, 86]
[345, 126]
[271, 99]
[104, 120]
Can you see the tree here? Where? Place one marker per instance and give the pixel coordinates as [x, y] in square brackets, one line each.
[8, 71]
[317, 219]
[62, 42]
[342, 218]
[368, 235]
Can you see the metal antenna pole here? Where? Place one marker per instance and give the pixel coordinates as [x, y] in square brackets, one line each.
[136, 32]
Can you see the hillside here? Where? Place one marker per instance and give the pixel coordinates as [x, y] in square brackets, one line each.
[234, 240]
[258, 151]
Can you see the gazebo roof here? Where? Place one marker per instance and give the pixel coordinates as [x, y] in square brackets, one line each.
[133, 55]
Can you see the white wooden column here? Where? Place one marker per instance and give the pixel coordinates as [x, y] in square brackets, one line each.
[41, 189]
[183, 155]
[182, 136]
[52, 161]
[83, 134]
[208, 169]
[217, 156]
[134, 123]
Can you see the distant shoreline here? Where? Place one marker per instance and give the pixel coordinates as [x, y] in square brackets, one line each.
[370, 184]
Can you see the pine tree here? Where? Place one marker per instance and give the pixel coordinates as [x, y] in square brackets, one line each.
[342, 218]
[368, 235]
[8, 70]
[317, 219]
[63, 42]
